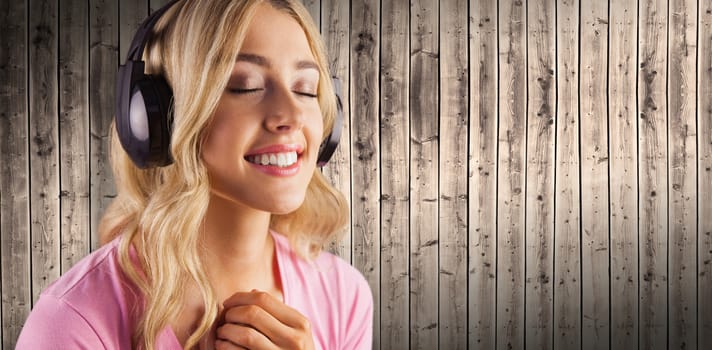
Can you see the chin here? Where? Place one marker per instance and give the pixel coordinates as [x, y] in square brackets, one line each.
[286, 206]
[279, 204]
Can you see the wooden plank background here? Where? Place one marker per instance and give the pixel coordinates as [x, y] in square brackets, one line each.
[622, 179]
[521, 174]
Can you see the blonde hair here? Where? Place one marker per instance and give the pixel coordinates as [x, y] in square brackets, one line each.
[162, 209]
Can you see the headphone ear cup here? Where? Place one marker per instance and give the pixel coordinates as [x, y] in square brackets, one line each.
[144, 111]
[144, 120]
[328, 146]
[151, 119]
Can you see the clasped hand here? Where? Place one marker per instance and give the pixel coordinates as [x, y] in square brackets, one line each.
[256, 320]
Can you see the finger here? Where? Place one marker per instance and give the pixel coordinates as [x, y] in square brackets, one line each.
[256, 317]
[274, 307]
[226, 345]
[243, 337]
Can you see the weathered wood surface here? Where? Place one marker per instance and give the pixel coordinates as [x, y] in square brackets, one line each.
[424, 151]
[104, 61]
[682, 174]
[567, 239]
[43, 133]
[131, 15]
[623, 179]
[652, 170]
[14, 176]
[452, 209]
[156, 4]
[704, 181]
[395, 160]
[314, 8]
[595, 300]
[335, 31]
[482, 174]
[365, 146]
[477, 223]
[511, 175]
[539, 188]
[74, 132]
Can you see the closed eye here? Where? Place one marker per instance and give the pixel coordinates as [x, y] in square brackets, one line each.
[244, 91]
[306, 94]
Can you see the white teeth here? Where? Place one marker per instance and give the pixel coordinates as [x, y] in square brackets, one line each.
[284, 159]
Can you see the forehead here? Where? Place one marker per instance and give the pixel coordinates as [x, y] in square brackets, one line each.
[274, 34]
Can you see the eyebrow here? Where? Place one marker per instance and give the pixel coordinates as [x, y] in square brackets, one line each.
[264, 62]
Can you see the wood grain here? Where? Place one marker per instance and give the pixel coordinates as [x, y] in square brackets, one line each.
[43, 133]
[511, 175]
[74, 132]
[482, 164]
[314, 8]
[567, 240]
[131, 15]
[424, 145]
[14, 177]
[682, 174]
[595, 325]
[452, 210]
[103, 58]
[653, 195]
[539, 190]
[623, 182]
[156, 4]
[470, 212]
[704, 181]
[335, 31]
[395, 158]
[365, 145]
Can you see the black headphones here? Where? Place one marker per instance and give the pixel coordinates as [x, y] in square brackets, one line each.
[144, 107]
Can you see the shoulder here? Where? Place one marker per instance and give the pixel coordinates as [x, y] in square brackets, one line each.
[348, 281]
[329, 272]
[54, 324]
[354, 301]
[93, 301]
[97, 282]
[334, 295]
[87, 271]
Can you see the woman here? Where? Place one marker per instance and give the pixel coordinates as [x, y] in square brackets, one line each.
[222, 248]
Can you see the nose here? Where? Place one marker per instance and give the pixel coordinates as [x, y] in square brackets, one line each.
[284, 113]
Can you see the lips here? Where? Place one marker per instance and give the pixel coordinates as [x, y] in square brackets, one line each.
[277, 160]
[280, 148]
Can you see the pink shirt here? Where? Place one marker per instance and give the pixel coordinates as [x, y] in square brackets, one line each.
[92, 305]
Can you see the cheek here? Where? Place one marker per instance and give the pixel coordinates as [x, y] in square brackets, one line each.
[316, 130]
[215, 143]
[221, 148]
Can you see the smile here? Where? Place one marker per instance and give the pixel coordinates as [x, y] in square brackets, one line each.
[282, 159]
[277, 160]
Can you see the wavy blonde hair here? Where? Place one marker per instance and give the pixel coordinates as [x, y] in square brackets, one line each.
[162, 209]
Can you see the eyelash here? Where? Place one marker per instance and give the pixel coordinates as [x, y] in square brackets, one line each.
[308, 94]
[251, 91]
[243, 91]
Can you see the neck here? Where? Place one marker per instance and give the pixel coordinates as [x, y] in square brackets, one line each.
[234, 233]
[237, 242]
[238, 255]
